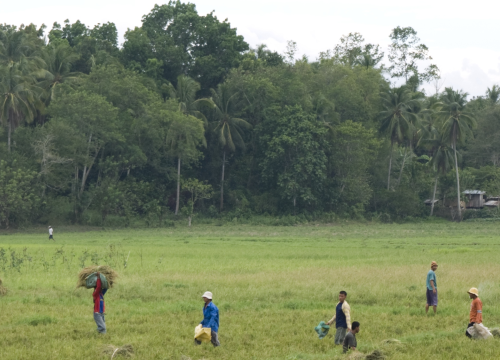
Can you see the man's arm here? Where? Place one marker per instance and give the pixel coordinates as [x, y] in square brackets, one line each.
[347, 312]
[433, 287]
[98, 288]
[213, 314]
[332, 320]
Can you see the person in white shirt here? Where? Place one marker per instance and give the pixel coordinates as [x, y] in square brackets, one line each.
[51, 233]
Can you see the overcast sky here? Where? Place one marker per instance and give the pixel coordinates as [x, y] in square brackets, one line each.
[462, 35]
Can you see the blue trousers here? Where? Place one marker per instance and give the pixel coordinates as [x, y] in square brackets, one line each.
[101, 323]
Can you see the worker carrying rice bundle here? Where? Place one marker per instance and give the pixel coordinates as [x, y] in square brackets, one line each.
[208, 329]
[476, 329]
[99, 278]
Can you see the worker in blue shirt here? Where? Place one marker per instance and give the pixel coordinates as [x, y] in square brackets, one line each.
[210, 318]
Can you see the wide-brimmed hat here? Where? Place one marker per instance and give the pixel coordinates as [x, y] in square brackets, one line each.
[434, 263]
[473, 291]
[207, 295]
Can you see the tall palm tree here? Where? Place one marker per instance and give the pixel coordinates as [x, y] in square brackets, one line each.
[441, 161]
[457, 124]
[228, 129]
[185, 134]
[397, 119]
[17, 98]
[185, 94]
[58, 61]
[493, 94]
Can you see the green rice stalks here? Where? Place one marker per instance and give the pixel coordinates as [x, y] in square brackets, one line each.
[391, 341]
[114, 351]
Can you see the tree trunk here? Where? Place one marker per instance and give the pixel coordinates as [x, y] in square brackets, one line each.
[189, 220]
[402, 167]
[178, 185]
[85, 173]
[390, 166]
[9, 134]
[458, 179]
[222, 181]
[434, 194]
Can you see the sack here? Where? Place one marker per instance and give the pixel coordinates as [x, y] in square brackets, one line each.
[479, 332]
[202, 334]
[91, 281]
[322, 329]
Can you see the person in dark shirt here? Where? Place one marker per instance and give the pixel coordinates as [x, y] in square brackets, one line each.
[342, 318]
[350, 342]
[98, 296]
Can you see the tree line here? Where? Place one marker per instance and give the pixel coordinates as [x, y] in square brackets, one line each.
[186, 118]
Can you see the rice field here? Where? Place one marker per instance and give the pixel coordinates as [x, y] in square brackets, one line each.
[272, 285]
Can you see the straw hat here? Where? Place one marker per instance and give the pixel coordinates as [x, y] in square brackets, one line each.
[473, 291]
[207, 295]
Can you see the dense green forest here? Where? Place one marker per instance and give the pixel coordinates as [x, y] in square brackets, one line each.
[185, 118]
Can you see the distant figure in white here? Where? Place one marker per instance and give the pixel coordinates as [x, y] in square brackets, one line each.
[51, 233]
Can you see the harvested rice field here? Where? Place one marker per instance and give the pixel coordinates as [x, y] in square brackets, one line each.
[272, 285]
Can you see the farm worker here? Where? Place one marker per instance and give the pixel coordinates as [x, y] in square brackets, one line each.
[342, 318]
[476, 310]
[210, 318]
[51, 233]
[98, 296]
[350, 342]
[432, 292]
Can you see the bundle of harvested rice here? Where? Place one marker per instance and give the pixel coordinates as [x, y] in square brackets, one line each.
[495, 332]
[107, 271]
[356, 355]
[3, 290]
[375, 355]
[113, 351]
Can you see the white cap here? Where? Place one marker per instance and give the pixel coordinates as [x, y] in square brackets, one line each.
[207, 295]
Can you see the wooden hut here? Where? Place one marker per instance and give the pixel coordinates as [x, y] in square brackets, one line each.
[475, 199]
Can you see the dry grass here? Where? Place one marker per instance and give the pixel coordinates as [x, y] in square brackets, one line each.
[272, 286]
[3, 290]
[495, 332]
[107, 271]
[115, 351]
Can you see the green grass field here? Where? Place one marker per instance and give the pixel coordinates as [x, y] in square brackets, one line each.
[272, 286]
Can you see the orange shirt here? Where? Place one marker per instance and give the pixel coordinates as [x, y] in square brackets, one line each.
[476, 311]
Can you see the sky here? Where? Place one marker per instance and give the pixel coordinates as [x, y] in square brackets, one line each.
[462, 35]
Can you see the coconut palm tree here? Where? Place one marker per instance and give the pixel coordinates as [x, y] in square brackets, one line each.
[441, 161]
[58, 60]
[493, 94]
[228, 129]
[397, 119]
[17, 97]
[185, 134]
[457, 124]
[185, 94]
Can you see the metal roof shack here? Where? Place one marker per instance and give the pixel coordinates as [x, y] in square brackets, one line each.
[476, 199]
[492, 203]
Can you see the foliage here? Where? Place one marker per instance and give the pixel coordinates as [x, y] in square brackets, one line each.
[17, 193]
[111, 132]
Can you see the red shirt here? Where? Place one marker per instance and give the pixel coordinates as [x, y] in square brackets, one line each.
[476, 311]
[98, 296]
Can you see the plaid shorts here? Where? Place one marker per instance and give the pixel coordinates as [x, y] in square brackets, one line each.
[432, 299]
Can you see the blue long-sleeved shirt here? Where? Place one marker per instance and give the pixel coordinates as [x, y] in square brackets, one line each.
[211, 317]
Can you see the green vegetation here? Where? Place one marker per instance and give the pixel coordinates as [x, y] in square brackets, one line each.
[93, 133]
[272, 285]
